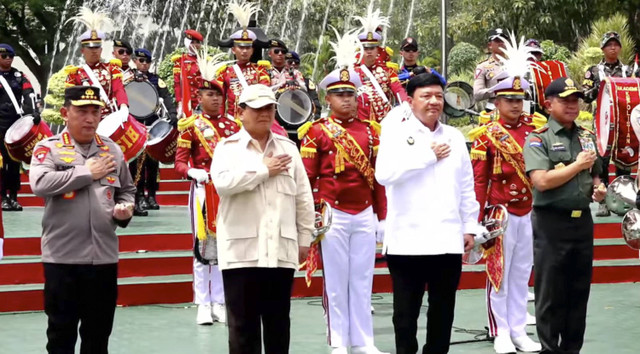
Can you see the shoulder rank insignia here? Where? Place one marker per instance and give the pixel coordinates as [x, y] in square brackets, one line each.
[68, 159]
[111, 179]
[541, 130]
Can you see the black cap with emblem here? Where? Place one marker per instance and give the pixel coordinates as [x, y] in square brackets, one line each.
[278, 43]
[122, 44]
[82, 96]
[563, 87]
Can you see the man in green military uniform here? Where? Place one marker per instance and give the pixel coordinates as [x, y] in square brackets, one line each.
[562, 162]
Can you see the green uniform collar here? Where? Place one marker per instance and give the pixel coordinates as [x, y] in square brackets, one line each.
[555, 126]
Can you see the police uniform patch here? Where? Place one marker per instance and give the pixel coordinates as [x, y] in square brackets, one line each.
[41, 153]
[68, 159]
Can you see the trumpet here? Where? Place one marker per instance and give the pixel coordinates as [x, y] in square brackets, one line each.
[621, 199]
[324, 215]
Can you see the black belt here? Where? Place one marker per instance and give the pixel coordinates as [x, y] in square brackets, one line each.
[573, 213]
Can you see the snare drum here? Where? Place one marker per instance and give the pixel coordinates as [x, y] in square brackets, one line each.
[163, 140]
[294, 108]
[615, 136]
[543, 74]
[23, 136]
[131, 135]
[458, 97]
[143, 99]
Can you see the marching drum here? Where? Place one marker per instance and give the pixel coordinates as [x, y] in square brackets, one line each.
[615, 136]
[294, 108]
[23, 136]
[130, 135]
[143, 99]
[163, 140]
[543, 74]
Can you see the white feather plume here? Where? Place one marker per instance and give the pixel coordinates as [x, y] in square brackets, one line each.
[93, 20]
[243, 11]
[210, 64]
[517, 59]
[372, 20]
[346, 47]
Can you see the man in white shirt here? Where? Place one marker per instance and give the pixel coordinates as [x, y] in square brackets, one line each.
[432, 214]
[264, 225]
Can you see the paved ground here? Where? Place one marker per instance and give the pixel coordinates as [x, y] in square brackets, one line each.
[613, 327]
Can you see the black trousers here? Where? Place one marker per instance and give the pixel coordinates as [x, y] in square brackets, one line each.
[604, 175]
[10, 171]
[79, 293]
[148, 175]
[563, 257]
[253, 295]
[410, 275]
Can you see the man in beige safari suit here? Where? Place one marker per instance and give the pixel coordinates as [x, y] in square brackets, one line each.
[265, 222]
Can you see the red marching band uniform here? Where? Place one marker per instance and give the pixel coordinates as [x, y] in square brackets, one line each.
[109, 76]
[186, 75]
[252, 73]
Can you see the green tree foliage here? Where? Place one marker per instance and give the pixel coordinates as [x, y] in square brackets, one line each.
[463, 57]
[55, 98]
[553, 51]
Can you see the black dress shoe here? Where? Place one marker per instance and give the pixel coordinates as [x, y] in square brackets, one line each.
[15, 205]
[138, 211]
[6, 204]
[153, 204]
[143, 203]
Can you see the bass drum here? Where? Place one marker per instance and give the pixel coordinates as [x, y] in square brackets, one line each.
[143, 99]
[294, 109]
[131, 135]
[458, 97]
[617, 99]
[543, 74]
[22, 136]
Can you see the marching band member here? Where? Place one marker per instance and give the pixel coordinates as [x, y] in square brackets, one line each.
[500, 178]
[106, 76]
[339, 153]
[199, 136]
[293, 61]
[283, 75]
[486, 71]
[148, 179]
[123, 51]
[243, 73]
[186, 74]
[609, 66]
[380, 84]
[15, 99]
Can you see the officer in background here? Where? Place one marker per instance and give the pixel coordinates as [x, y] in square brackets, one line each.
[123, 51]
[409, 52]
[563, 164]
[88, 193]
[16, 98]
[148, 175]
[293, 61]
[486, 71]
[609, 66]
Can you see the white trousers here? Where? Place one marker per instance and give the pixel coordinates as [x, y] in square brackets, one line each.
[507, 308]
[348, 258]
[207, 279]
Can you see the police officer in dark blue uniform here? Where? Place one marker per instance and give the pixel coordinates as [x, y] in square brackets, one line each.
[14, 88]
[149, 172]
[293, 60]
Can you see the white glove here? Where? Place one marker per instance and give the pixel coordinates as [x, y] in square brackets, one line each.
[380, 231]
[124, 113]
[198, 174]
[1, 245]
[179, 110]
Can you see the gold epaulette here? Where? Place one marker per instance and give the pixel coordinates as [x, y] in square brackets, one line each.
[484, 117]
[476, 132]
[183, 143]
[475, 154]
[265, 64]
[374, 125]
[304, 129]
[185, 123]
[238, 122]
[116, 62]
[389, 51]
[221, 69]
[393, 66]
[71, 69]
[176, 57]
[538, 120]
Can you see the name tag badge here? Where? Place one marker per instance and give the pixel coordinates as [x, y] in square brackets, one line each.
[558, 147]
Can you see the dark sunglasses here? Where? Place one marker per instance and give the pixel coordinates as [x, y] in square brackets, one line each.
[279, 51]
[410, 50]
[293, 62]
[124, 50]
[144, 60]
[6, 56]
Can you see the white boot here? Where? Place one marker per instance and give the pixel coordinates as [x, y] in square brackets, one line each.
[204, 315]
[219, 313]
[531, 319]
[526, 344]
[503, 345]
[340, 350]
